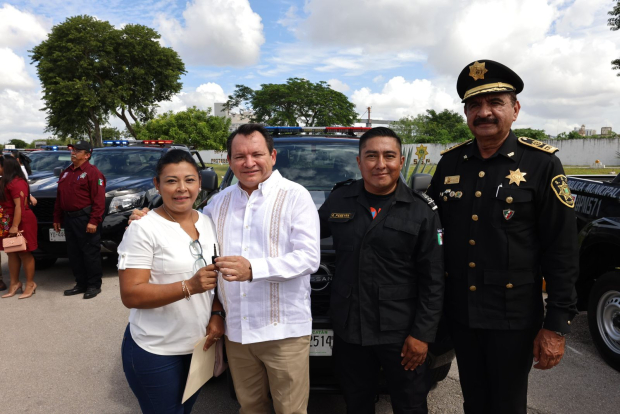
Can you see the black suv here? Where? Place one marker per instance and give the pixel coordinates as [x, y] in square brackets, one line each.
[129, 172]
[318, 163]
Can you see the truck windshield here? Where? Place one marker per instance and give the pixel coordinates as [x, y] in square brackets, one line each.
[122, 163]
[48, 160]
[317, 167]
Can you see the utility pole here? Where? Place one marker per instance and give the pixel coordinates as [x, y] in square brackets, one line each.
[368, 124]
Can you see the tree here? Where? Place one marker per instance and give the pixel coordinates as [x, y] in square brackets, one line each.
[433, 127]
[193, 127]
[569, 135]
[90, 70]
[298, 101]
[538, 134]
[614, 23]
[18, 143]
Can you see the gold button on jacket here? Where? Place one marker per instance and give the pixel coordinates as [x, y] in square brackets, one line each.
[472, 288]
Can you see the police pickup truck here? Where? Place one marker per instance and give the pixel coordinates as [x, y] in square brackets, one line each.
[318, 158]
[129, 172]
[597, 206]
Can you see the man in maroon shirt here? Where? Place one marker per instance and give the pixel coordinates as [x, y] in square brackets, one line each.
[79, 208]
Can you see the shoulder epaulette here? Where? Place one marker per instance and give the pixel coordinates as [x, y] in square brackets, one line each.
[427, 199]
[343, 183]
[456, 146]
[538, 145]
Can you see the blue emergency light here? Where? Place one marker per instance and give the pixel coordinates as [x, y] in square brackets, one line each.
[116, 143]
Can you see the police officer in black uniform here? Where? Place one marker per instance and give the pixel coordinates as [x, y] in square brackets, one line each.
[387, 292]
[509, 221]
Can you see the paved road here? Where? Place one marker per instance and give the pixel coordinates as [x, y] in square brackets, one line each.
[62, 355]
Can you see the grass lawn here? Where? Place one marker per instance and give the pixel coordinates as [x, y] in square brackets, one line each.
[220, 170]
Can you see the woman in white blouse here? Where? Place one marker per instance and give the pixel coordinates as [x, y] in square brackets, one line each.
[167, 282]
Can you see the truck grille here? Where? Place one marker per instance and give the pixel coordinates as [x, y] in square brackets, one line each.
[44, 210]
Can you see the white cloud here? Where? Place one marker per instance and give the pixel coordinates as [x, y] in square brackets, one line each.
[203, 97]
[18, 29]
[13, 71]
[400, 98]
[378, 79]
[20, 115]
[338, 85]
[215, 32]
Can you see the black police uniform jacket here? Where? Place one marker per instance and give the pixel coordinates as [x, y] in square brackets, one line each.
[503, 234]
[389, 281]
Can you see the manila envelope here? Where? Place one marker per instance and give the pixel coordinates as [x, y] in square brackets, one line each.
[200, 370]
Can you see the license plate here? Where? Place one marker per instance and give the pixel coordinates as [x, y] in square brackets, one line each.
[321, 342]
[57, 237]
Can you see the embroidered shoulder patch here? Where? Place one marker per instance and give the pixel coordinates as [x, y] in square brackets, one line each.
[559, 183]
[456, 146]
[537, 144]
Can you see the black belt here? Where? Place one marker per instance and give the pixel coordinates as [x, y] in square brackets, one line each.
[78, 213]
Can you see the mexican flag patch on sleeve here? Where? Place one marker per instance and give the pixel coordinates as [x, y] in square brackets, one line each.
[440, 237]
[100, 181]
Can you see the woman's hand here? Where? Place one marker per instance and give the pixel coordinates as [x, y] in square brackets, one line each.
[215, 331]
[13, 231]
[204, 279]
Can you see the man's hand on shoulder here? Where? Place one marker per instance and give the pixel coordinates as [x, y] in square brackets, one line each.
[234, 268]
[548, 349]
[137, 214]
[413, 353]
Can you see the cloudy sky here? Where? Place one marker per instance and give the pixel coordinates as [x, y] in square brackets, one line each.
[400, 57]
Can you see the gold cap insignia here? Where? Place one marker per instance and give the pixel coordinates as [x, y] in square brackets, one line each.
[560, 187]
[477, 70]
[516, 177]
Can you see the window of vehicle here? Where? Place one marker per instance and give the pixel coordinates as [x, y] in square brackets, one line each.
[48, 160]
[316, 166]
[122, 162]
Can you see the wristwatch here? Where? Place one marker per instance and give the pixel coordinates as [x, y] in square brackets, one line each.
[220, 313]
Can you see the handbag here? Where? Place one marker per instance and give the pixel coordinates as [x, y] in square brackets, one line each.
[14, 244]
[220, 363]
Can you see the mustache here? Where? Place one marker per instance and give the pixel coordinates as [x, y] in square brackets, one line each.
[487, 120]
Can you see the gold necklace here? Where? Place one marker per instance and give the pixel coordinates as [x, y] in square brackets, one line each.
[166, 211]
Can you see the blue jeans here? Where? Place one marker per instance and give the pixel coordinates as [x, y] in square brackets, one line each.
[158, 381]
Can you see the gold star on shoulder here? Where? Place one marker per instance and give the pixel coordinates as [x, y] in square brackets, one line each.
[516, 177]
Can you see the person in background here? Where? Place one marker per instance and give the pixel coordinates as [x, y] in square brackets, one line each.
[168, 284]
[79, 210]
[24, 162]
[16, 217]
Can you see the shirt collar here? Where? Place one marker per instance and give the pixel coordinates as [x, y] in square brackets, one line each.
[401, 193]
[266, 186]
[81, 167]
[507, 150]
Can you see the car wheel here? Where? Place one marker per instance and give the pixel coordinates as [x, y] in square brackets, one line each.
[604, 317]
[439, 374]
[44, 263]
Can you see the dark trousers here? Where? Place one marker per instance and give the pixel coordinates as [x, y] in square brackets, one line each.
[158, 381]
[358, 368]
[493, 368]
[84, 251]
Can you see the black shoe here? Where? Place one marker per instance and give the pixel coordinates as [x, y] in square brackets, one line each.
[91, 292]
[75, 291]
[2, 285]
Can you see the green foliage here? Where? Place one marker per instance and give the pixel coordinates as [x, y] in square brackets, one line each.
[18, 143]
[90, 70]
[569, 135]
[614, 23]
[298, 101]
[433, 127]
[538, 134]
[112, 133]
[193, 127]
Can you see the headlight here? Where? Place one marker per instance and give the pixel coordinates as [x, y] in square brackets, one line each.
[126, 202]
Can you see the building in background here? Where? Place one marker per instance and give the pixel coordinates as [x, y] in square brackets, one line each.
[606, 131]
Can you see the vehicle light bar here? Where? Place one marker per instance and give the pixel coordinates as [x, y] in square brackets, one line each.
[282, 129]
[347, 129]
[158, 142]
[116, 143]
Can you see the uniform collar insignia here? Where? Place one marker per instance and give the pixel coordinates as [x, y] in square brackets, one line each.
[477, 70]
[516, 177]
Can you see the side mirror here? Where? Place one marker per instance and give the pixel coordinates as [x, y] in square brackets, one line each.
[209, 180]
[57, 171]
[420, 182]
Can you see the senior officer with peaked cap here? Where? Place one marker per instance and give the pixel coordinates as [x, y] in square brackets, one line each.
[509, 221]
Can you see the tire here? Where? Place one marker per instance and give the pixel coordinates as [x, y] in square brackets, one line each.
[440, 373]
[604, 317]
[44, 263]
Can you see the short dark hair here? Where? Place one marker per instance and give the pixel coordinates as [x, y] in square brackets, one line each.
[380, 132]
[513, 97]
[12, 170]
[175, 156]
[248, 129]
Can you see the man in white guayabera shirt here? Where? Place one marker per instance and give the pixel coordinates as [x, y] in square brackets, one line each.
[269, 235]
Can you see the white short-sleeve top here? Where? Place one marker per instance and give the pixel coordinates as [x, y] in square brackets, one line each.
[163, 247]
